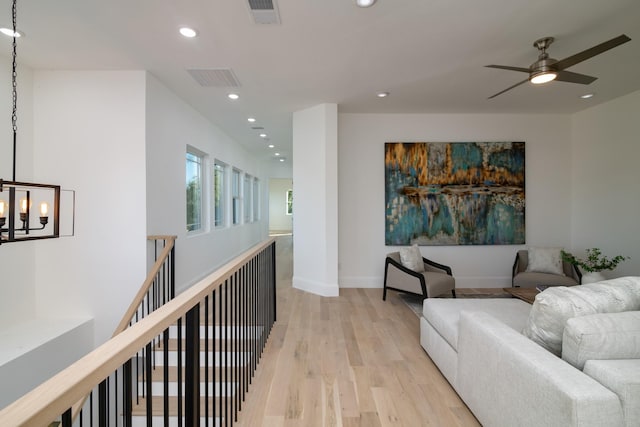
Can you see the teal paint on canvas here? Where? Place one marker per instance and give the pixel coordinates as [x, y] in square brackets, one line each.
[454, 193]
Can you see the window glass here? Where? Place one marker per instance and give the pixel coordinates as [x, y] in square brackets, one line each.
[219, 195]
[289, 202]
[235, 194]
[246, 191]
[194, 191]
[256, 199]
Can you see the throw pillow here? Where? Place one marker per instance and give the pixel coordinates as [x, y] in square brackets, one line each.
[553, 307]
[545, 260]
[601, 336]
[412, 258]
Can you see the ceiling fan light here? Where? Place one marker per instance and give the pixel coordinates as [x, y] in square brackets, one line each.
[365, 3]
[543, 77]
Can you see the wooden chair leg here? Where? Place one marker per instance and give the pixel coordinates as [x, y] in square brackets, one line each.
[453, 292]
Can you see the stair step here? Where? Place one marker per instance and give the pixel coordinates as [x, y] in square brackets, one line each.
[218, 332]
[214, 359]
[211, 344]
[217, 389]
[139, 406]
[210, 373]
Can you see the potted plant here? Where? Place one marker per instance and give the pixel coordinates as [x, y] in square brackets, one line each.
[593, 264]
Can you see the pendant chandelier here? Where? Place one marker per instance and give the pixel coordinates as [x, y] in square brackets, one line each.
[20, 218]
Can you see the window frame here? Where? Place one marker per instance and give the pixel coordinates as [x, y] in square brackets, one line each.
[219, 201]
[256, 199]
[288, 202]
[198, 159]
[236, 196]
[246, 198]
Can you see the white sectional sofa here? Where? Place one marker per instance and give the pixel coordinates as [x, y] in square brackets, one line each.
[499, 355]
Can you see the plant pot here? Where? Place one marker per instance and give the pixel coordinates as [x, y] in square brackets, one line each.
[592, 277]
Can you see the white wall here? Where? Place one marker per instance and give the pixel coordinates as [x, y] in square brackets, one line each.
[171, 124]
[606, 195]
[89, 136]
[17, 275]
[278, 218]
[361, 193]
[315, 178]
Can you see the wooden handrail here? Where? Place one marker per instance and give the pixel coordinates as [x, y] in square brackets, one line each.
[50, 399]
[135, 303]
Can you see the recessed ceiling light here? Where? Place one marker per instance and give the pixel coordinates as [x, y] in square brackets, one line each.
[271, 145]
[282, 160]
[277, 154]
[251, 120]
[365, 3]
[9, 32]
[382, 94]
[263, 135]
[587, 96]
[188, 32]
[233, 96]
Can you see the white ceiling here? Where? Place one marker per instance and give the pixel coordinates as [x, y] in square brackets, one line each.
[429, 54]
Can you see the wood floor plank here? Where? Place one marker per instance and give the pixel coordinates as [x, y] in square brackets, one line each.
[385, 407]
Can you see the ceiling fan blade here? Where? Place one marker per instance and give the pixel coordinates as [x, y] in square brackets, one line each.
[509, 88]
[568, 76]
[506, 67]
[591, 52]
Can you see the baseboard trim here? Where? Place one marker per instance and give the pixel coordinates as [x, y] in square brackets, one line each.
[360, 282]
[315, 287]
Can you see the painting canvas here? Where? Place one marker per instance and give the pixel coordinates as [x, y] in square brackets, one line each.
[454, 193]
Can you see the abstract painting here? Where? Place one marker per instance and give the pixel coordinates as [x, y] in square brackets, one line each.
[454, 193]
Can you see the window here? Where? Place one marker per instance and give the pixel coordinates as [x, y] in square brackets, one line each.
[256, 199]
[235, 194]
[194, 186]
[219, 194]
[289, 202]
[246, 192]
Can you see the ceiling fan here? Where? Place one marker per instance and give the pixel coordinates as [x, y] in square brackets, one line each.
[546, 69]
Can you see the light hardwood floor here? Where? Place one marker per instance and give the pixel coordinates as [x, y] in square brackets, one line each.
[354, 360]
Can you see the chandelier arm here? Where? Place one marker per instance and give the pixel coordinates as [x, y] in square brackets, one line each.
[14, 113]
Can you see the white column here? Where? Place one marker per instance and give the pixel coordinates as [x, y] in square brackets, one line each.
[315, 200]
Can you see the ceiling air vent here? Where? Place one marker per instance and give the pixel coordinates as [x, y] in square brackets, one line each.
[264, 11]
[215, 77]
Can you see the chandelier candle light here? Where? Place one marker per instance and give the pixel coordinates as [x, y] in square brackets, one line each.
[22, 194]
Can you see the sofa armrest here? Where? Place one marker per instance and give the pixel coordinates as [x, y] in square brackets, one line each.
[622, 376]
[506, 379]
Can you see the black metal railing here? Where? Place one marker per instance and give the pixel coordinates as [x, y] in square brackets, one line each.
[194, 357]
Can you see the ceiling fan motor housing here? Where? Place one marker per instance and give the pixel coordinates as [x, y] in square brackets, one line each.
[542, 66]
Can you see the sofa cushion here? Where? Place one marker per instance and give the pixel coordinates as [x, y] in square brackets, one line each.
[532, 279]
[444, 314]
[553, 307]
[545, 260]
[411, 258]
[623, 378]
[601, 336]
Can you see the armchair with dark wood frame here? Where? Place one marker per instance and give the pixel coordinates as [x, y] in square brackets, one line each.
[435, 280]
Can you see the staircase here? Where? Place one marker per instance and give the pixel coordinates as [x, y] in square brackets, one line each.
[222, 368]
[174, 360]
